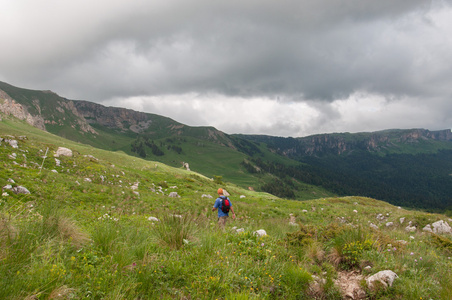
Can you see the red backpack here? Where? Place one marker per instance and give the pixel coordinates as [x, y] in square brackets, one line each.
[225, 205]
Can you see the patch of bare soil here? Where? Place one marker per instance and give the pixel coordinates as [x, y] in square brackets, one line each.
[349, 285]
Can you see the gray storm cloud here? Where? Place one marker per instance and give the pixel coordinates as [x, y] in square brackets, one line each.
[294, 51]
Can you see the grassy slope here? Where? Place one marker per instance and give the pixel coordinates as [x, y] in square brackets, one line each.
[77, 239]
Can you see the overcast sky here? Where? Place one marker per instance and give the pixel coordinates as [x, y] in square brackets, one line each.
[283, 68]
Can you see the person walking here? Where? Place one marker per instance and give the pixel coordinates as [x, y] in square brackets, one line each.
[223, 205]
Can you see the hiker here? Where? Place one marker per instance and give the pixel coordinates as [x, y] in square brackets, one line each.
[223, 209]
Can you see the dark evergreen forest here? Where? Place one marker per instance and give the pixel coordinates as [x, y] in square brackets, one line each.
[418, 181]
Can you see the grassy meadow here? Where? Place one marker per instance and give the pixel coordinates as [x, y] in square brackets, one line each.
[86, 230]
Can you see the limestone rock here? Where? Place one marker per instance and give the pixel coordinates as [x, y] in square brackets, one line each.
[62, 151]
[385, 278]
[260, 232]
[438, 227]
[20, 190]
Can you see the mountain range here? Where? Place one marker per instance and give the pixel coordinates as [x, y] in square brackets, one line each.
[409, 167]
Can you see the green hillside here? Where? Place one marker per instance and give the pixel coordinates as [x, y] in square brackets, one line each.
[83, 231]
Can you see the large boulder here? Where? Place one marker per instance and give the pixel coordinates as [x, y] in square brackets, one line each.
[62, 151]
[20, 190]
[438, 227]
[260, 232]
[384, 278]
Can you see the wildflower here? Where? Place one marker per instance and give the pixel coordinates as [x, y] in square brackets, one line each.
[262, 244]
[411, 253]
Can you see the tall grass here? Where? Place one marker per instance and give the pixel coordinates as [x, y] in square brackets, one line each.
[174, 231]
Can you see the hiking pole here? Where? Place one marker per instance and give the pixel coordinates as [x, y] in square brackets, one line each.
[45, 156]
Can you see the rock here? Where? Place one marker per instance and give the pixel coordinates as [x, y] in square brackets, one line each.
[93, 158]
[242, 196]
[401, 220]
[225, 193]
[355, 211]
[8, 187]
[11, 180]
[62, 151]
[174, 195]
[54, 171]
[206, 196]
[438, 227]
[135, 186]
[260, 232]
[304, 210]
[385, 278]
[389, 224]
[87, 180]
[20, 190]
[380, 217]
[410, 228]
[13, 143]
[153, 219]
[57, 162]
[373, 226]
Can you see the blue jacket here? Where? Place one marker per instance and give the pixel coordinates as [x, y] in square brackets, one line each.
[217, 205]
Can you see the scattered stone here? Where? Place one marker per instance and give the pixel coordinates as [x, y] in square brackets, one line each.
[20, 190]
[57, 162]
[304, 210]
[13, 143]
[206, 196]
[62, 151]
[410, 228]
[8, 187]
[12, 156]
[438, 227]
[389, 224]
[373, 226]
[88, 180]
[225, 193]
[386, 278]
[93, 158]
[11, 180]
[153, 219]
[54, 171]
[401, 220]
[380, 217]
[237, 230]
[135, 186]
[260, 232]
[242, 196]
[174, 195]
